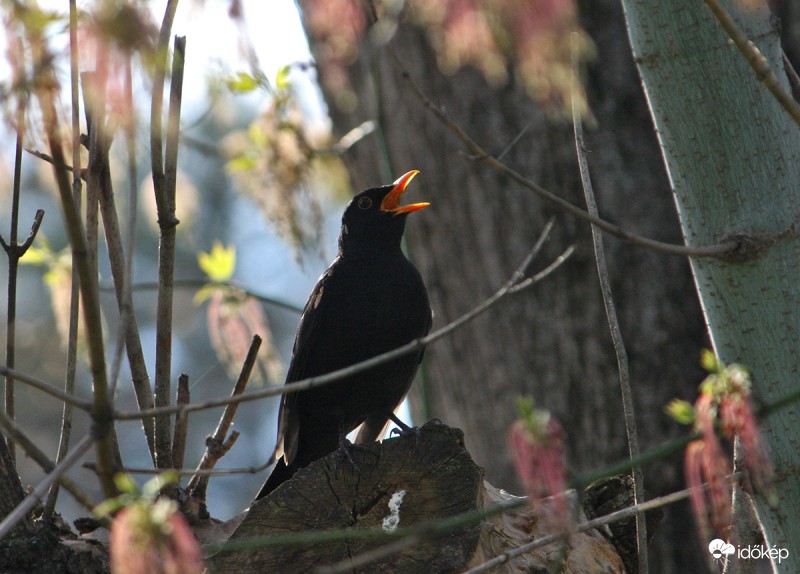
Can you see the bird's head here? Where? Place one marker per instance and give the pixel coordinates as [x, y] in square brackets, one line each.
[375, 218]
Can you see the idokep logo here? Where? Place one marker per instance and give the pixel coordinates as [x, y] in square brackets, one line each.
[720, 549]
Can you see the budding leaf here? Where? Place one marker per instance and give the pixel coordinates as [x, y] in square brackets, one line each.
[243, 83]
[709, 361]
[219, 263]
[682, 411]
[282, 78]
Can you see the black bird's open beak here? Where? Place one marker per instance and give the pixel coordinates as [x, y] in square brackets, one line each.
[391, 203]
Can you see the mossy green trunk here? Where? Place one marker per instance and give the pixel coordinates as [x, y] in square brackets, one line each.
[733, 157]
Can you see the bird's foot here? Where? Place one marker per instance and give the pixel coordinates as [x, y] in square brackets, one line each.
[403, 430]
[346, 449]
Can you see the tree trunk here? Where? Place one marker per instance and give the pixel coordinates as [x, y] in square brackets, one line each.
[551, 341]
[733, 158]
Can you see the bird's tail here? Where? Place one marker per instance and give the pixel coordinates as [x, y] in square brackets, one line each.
[280, 474]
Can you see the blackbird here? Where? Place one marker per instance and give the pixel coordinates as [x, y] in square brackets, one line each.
[369, 301]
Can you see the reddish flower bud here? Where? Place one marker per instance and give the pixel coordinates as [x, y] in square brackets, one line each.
[737, 419]
[537, 449]
[153, 539]
[724, 408]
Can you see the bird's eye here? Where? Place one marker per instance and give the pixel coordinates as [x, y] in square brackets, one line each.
[364, 203]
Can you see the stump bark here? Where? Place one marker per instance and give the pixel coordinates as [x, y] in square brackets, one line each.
[438, 479]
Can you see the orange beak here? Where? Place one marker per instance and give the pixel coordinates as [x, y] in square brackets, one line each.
[391, 203]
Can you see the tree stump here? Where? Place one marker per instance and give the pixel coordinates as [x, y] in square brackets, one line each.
[433, 470]
[438, 479]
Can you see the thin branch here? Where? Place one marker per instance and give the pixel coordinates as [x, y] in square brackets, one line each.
[217, 445]
[203, 282]
[49, 159]
[139, 375]
[156, 110]
[74, 299]
[164, 185]
[45, 387]
[13, 265]
[514, 141]
[183, 397]
[99, 180]
[720, 249]
[107, 447]
[35, 497]
[192, 471]
[755, 59]
[791, 73]
[616, 332]
[509, 288]
[12, 480]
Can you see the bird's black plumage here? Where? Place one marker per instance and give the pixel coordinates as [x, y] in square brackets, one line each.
[369, 301]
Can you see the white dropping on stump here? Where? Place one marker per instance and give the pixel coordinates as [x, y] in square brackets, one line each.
[391, 522]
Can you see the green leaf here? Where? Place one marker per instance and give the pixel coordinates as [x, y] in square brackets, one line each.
[710, 362]
[153, 487]
[680, 410]
[204, 293]
[36, 256]
[126, 484]
[110, 507]
[282, 81]
[242, 163]
[219, 263]
[242, 83]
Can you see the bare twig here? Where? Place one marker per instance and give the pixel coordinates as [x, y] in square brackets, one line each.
[611, 228]
[192, 471]
[99, 181]
[139, 374]
[45, 387]
[35, 497]
[791, 73]
[202, 282]
[755, 59]
[512, 286]
[14, 251]
[616, 333]
[107, 447]
[13, 265]
[49, 159]
[183, 397]
[13, 484]
[217, 445]
[164, 189]
[74, 298]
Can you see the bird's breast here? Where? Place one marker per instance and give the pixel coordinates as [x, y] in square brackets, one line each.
[369, 307]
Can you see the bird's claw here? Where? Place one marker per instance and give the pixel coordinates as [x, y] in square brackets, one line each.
[346, 448]
[406, 432]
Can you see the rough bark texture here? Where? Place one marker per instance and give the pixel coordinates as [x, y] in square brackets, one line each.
[52, 549]
[551, 341]
[11, 493]
[438, 479]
